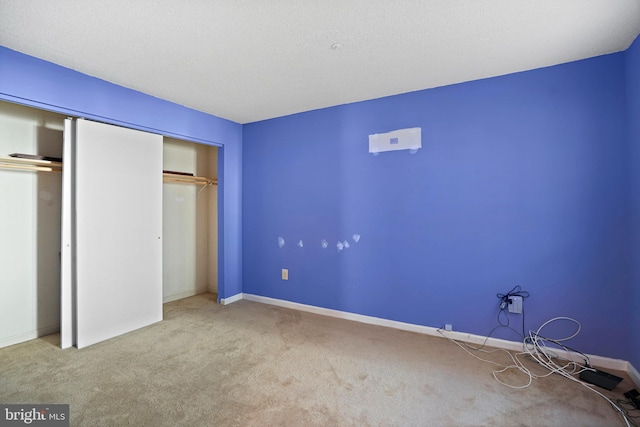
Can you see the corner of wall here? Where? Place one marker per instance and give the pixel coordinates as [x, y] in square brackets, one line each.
[633, 134]
[231, 299]
[634, 374]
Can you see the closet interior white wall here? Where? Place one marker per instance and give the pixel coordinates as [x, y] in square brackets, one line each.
[30, 224]
[30, 221]
[190, 221]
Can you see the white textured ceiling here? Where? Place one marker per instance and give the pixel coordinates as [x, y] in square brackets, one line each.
[248, 60]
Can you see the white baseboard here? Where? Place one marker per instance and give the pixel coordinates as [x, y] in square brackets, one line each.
[598, 361]
[184, 294]
[28, 336]
[232, 299]
[634, 374]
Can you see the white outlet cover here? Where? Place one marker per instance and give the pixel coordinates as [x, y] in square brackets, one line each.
[516, 305]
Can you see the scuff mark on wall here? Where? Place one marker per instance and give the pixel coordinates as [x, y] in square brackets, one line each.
[341, 245]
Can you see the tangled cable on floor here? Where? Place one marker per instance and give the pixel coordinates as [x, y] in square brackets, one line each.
[544, 350]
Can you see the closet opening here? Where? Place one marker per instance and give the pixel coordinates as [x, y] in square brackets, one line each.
[189, 219]
[31, 191]
[30, 222]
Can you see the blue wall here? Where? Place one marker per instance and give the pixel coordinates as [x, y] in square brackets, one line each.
[522, 179]
[633, 99]
[34, 82]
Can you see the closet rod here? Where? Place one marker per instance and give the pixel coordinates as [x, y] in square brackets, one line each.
[30, 168]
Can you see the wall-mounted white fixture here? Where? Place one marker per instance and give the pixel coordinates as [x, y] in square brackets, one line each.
[401, 139]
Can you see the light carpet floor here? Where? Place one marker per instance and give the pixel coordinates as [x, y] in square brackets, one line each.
[250, 364]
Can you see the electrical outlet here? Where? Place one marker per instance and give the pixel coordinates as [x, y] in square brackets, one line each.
[515, 304]
[285, 274]
[448, 327]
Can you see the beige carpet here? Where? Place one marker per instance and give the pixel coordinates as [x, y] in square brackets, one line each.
[249, 364]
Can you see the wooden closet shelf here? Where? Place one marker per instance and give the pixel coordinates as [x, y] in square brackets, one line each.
[18, 163]
[188, 179]
[30, 164]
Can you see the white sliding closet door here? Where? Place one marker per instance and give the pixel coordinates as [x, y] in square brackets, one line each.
[118, 229]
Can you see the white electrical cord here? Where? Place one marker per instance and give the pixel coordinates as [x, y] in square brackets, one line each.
[535, 346]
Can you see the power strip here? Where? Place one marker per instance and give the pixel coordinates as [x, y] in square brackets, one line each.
[600, 378]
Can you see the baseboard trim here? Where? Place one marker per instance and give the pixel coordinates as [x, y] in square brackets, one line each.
[28, 336]
[184, 294]
[634, 374]
[599, 361]
[232, 299]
